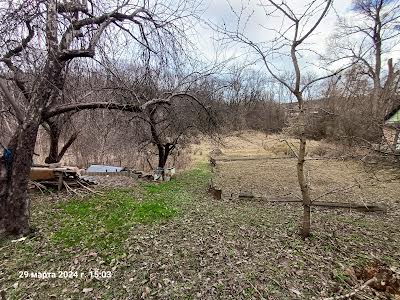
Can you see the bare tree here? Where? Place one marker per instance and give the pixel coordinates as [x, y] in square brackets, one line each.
[368, 37]
[249, 94]
[168, 128]
[288, 40]
[55, 128]
[71, 30]
[174, 125]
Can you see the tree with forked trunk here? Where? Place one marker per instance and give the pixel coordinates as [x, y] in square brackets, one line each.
[70, 30]
[168, 128]
[174, 125]
[54, 130]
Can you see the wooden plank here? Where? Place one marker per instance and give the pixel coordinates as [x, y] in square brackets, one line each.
[38, 173]
[350, 205]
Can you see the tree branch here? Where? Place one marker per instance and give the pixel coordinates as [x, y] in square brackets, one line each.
[10, 99]
[328, 4]
[52, 112]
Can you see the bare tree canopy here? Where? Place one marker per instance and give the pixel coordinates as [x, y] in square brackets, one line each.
[290, 38]
[368, 38]
[53, 34]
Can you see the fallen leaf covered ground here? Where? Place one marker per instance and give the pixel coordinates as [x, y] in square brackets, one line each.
[186, 245]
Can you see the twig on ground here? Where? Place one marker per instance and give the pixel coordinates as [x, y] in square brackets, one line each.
[336, 191]
[89, 189]
[41, 187]
[351, 294]
[69, 189]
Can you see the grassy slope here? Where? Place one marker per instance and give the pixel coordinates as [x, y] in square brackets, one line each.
[87, 234]
[170, 241]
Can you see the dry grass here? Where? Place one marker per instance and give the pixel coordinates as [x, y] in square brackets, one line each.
[273, 174]
[278, 178]
[227, 249]
[252, 144]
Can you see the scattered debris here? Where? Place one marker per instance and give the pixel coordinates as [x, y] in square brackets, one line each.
[164, 174]
[19, 240]
[148, 177]
[353, 293]
[169, 173]
[388, 279]
[57, 176]
[89, 179]
[377, 276]
[246, 195]
[87, 290]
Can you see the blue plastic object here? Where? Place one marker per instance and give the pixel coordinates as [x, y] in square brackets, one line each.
[8, 158]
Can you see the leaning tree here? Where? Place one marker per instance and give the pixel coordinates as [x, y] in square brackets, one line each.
[54, 34]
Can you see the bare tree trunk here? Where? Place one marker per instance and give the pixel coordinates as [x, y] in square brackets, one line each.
[305, 192]
[55, 155]
[377, 39]
[3, 193]
[13, 195]
[163, 153]
[161, 156]
[376, 97]
[54, 136]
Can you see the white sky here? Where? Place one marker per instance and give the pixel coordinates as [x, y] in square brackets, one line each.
[219, 12]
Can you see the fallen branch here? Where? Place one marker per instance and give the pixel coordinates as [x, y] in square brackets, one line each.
[350, 205]
[89, 189]
[71, 190]
[41, 187]
[351, 294]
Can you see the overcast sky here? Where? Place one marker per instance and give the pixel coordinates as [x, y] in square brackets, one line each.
[220, 12]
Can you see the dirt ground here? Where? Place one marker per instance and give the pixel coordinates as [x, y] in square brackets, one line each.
[232, 249]
[266, 167]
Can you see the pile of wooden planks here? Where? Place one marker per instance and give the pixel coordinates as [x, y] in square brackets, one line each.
[56, 176]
